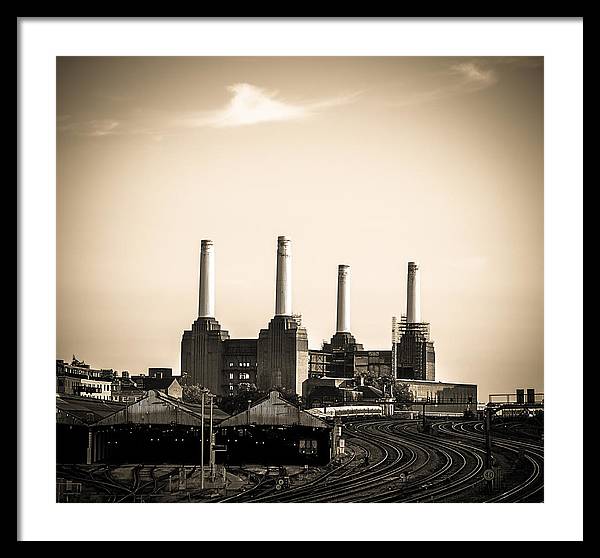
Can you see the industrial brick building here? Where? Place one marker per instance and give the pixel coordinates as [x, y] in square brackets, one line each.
[277, 358]
[344, 357]
[280, 357]
[334, 369]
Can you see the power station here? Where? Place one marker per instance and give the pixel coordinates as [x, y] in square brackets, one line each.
[280, 358]
[277, 359]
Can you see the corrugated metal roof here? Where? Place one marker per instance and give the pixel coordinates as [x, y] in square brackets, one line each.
[84, 410]
[274, 411]
[158, 408]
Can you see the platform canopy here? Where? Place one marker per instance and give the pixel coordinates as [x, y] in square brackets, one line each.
[84, 410]
[273, 410]
[158, 408]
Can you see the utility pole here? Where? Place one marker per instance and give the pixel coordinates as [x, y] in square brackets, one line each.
[212, 442]
[202, 442]
[488, 437]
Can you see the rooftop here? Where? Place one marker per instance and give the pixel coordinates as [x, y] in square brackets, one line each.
[86, 410]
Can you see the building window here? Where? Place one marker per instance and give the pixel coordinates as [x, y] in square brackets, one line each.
[231, 375]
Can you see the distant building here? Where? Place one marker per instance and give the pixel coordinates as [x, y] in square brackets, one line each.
[322, 392]
[78, 378]
[160, 372]
[239, 365]
[416, 354]
[280, 359]
[442, 391]
[344, 357]
[168, 386]
[446, 396]
[125, 391]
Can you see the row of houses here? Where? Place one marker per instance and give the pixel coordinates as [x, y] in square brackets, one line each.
[80, 379]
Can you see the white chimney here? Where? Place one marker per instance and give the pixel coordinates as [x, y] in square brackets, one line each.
[413, 294]
[343, 299]
[283, 286]
[206, 305]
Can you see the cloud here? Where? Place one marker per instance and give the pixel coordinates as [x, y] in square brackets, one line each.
[91, 128]
[473, 76]
[97, 128]
[526, 62]
[459, 79]
[250, 104]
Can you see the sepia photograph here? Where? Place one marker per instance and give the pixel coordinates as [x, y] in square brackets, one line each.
[300, 279]
[320, 283]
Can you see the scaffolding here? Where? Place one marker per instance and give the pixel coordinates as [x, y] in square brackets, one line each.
[413, 345]
[394, 367]
[394, 346]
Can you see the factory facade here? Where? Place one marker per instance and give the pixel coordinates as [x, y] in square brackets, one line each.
[280, 358]
[412, 356]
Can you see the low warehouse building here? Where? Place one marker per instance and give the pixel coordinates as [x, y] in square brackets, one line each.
[74, 418]
[156, 429]
[449, 397]
[274, 431]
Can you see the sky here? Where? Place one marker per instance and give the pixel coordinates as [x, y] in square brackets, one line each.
[369, 162]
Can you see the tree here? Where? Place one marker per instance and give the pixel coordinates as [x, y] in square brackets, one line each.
[384, 383]
[192, 393]
[238, 402]
[367, 377]
[289, 395]
[402, 393]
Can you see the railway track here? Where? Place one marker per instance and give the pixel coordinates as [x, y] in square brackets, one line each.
[457, 469]
[533, 453]
[334, 486]
[440, 467]
[346, 483]
[101, 478]
[265, 489]
[390, 461]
